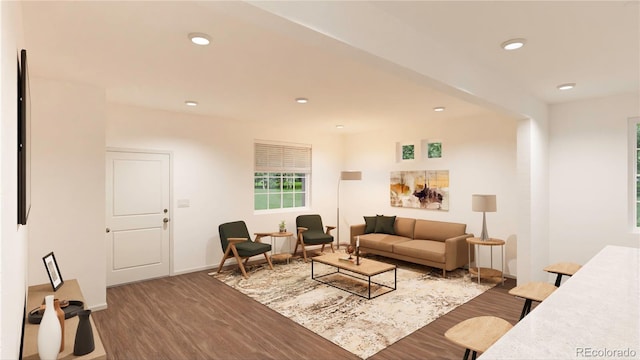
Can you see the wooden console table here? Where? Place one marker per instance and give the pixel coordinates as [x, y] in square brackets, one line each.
[70, 290]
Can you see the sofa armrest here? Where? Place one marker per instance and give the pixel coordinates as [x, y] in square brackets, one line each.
[355, 231]
[457, 252]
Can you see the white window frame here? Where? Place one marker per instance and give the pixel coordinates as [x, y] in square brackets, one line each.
[634, 176]
[284, 158]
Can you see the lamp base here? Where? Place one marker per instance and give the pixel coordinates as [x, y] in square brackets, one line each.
[484, 236]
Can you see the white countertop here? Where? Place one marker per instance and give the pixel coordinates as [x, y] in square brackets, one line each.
[595, 314]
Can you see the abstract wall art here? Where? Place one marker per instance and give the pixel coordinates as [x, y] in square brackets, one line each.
[420, 189]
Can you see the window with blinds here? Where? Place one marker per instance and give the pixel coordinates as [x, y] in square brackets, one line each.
[281, 176]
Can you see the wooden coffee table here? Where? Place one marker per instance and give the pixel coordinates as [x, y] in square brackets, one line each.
[367, 268]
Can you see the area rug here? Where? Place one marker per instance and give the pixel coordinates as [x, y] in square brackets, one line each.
[356, 324]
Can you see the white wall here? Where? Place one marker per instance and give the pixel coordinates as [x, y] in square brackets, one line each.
[68, 185]
[480, 154]
[589, 177]
[213, 169]
[13, 237]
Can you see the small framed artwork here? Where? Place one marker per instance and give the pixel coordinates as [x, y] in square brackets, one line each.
[51, 265]
[434, 149]
[408, 152]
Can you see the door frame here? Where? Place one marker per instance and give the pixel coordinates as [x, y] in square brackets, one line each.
[171, 207]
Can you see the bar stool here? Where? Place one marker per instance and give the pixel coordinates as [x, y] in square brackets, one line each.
[533, 291]
[477, 334]
[563, 268]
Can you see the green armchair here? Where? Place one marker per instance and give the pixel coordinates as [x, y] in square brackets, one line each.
[311, 232]
[235, 239]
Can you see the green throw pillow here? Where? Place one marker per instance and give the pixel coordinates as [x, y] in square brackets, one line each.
[384, 224]
[369, 224]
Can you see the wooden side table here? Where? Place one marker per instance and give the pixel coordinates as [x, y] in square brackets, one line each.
[486, 272]
[274, 242]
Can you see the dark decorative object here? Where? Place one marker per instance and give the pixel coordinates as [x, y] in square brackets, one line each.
[84, 335]
[350, 250]
[71, 310]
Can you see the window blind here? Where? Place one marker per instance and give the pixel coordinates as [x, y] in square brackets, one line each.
[282, 158]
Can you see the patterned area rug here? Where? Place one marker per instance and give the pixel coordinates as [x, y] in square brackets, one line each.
[360, 326]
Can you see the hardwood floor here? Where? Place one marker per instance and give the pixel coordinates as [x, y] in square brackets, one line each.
[195, 316]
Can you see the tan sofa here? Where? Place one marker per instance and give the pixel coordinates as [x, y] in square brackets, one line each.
[438, 244]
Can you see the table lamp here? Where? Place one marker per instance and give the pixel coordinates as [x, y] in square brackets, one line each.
[484, 204]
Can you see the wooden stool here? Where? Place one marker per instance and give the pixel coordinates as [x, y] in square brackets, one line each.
[478, 333]
[563, 268]
[533, 291]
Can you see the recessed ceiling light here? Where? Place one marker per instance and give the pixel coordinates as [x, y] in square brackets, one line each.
[199, 38]
[191, 103]
[438, 109]
[567, 86]
[339, 126]
[513, 44]
[302, 100]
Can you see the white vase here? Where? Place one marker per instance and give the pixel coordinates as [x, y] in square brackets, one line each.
[50, 332]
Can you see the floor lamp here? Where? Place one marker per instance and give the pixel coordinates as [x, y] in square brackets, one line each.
[484, 204]
[347, 176]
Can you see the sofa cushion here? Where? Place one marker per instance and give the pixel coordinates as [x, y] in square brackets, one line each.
[423, 249]
[437, 230]
[404, 227]
[385, 224]
[369, 224]
[382, 242]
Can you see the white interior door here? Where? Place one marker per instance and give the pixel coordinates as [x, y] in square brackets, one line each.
[138, 226]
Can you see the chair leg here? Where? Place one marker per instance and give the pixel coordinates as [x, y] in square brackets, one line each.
[239, 260]
[224, 258]
[304, 252]
[295, 250]
[268, 260]
[558, 280]
[332, 247]
[322, 248]
[526, 308]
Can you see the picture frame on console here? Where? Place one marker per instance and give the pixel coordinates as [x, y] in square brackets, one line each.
[53, 271]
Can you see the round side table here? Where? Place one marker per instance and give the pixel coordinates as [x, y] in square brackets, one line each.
[486, 272]
[274, 241]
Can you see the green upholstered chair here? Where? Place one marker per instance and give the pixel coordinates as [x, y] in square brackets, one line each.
[236, 242]
[311, 232]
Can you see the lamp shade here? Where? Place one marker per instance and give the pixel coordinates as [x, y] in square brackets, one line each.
[351, 175]
[483, 203]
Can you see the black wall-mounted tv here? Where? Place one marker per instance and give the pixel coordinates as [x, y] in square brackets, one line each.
[24, 140]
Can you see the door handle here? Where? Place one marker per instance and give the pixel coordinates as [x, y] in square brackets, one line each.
[165, 220]
[108, 230]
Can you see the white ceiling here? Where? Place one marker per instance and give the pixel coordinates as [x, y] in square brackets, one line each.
[258, 62]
